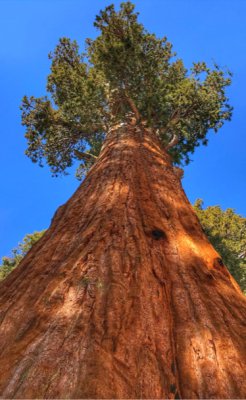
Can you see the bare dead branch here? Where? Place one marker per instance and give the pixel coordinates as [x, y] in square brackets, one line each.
[173, 142]
[84, 155]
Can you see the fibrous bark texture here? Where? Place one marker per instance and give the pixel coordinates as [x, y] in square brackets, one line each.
[123, 297]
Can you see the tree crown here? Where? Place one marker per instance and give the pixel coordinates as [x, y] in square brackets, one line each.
[124, 70]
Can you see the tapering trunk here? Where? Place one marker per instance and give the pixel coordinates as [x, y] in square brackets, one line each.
[123, 297]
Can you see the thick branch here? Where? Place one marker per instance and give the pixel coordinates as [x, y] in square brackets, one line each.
[173, 142]
[84, 156]
[175, 118]
[173, 121]
[133, 106]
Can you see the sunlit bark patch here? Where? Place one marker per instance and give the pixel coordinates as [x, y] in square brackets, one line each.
[121, 297]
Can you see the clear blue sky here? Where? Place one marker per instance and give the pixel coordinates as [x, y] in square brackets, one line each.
[199, 30]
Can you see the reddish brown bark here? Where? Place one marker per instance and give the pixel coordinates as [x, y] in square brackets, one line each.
[123, 297]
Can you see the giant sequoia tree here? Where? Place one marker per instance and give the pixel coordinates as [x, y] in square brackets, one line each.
[123, 296]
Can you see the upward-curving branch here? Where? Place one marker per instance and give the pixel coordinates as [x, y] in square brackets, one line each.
[173, 142]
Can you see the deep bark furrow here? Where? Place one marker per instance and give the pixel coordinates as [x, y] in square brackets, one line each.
[122, 297]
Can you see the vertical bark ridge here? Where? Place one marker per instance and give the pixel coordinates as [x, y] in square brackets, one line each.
[123, 297]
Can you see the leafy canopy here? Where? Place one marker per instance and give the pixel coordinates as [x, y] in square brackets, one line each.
[226, 231]
[124, 70]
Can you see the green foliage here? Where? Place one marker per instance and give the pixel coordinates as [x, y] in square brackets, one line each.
[125, 69]
[9, 263]
[226, 231]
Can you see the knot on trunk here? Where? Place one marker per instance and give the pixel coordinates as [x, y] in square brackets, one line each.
[158, 234]
[218, 263]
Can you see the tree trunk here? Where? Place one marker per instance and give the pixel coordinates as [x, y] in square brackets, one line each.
[123, 297]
